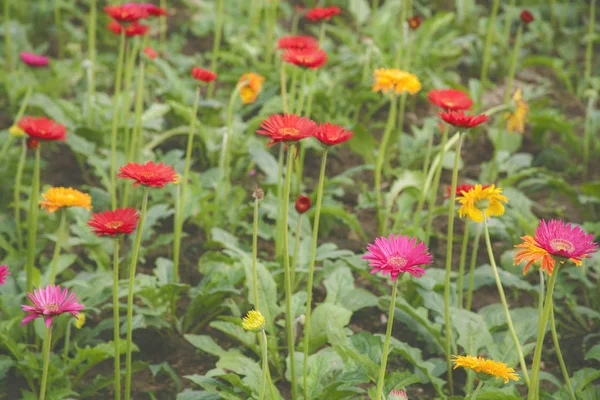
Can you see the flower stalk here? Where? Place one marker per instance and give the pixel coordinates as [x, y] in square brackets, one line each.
[116, 323]
[115, 123]
[436, 183]
[92, 20]
[379, 164]
[386, 343]
[265, 364]
[489, 37]
[561, 361]
[46, 356]
[216, 45]
[32, 221]
[461, 265]
[474, 252]
[60, 237]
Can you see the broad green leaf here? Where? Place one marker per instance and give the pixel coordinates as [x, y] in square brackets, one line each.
[327, 325]
[206, 344]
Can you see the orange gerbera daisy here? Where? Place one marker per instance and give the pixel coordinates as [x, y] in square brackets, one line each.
[58, 197]
[532, 253]
[250, 85]
[489, 367]
[397, 80]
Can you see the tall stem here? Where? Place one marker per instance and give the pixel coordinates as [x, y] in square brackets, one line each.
[115, 123]
[283, 81]
[489, 38]
[380, 161]
[479, 385]
[589, 50]
[508, 18]
[513, 64]
[47, 346]
[300, 102]
[474, 252]
[32, 220]
[116, 323]
[426, 167]
[311, 271]
[255, 256]
[436, 184]
[559, 355]
[386, 343]
[216, 46]
[132, 267]
[296, 250]
[92, 58]
[537, 356]
[461, 265]
[225, 170]
[17, 194]
[278, 223]
[511, 328]
[60, 233]
[449, 246]
[265, 364]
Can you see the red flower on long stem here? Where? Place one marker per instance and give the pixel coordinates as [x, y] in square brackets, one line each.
[307, 58]
[133, 29]
[127, 13]
[459, 119]
[149, 174]
[49, 303]
[43, 128]
[320, 13]
[203, 75]
[450, 99]
[331, 134]
[121, 221]
[34, 60]
[297, 43]
[287, 128]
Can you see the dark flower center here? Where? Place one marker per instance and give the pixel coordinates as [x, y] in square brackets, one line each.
[562, 245]
[397, 261]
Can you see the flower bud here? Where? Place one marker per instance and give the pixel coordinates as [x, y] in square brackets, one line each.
[32, 144]
[302, 204]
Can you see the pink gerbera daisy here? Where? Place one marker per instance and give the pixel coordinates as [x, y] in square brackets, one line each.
[4, 272]
[565, 241]
[397, 254]
[51, 302]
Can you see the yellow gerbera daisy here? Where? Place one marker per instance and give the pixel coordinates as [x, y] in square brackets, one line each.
[479, 200]
[253, 321]
[80, 320]
[15, 131]
[250, 85]
[516, 121]
[59, 197]
[489, 367]
[395, 79]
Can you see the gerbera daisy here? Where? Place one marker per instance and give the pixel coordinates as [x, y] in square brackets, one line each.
[127, 13]
[331, 134]
[397, 254]
[489, 367]
[253, 321]
[516, 121]
[15, 131]
[414, 22]
[250, 85]
[203, 75]
[532, 253]
[59, 197]
[526, 16]
[397, 80]
[465, 187]
[307, 58]
[152, 9]
[4, 272]
[319, 13]
[287, 128]
[461, 120]
[149, 174]
[43, 128]
[564, 241]
[34, 60]
[480, 200]
[302, 204]
[297, 43]
[133, 29]
[397, 395]
[118, 222]
[450, 99]
[49, 303]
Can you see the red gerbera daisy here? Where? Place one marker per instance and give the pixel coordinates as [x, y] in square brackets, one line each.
[307, 58]
[127, 13]
[459, 119]
[526, 16]
[149, 174]
[319, 13]
[450, 99]
[4, 272]
[118, 222]
[43, 128]
[331, 134]
[287, 128]
[152, 9]
[414, 22]
[203, 75]
[298, 43]
[133, 29]
[34, 60]
[302, 204]
[465, 187]
[396, 255]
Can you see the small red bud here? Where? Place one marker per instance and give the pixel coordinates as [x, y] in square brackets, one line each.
[526, 16]
[302, 204]
[32, 144]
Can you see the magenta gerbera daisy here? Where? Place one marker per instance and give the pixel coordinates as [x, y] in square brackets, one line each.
[564, 240]
[4, 272]
[51, 302]
[397, 254]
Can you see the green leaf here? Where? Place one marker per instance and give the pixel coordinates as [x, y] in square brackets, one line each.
[360, 9]
[327, 325]
[206, 344]
[593, 353]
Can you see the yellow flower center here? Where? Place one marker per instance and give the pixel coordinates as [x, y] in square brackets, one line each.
[114, 224]
[397, 261]
[562, 245]
[289, 132]
[148, 174]
[51, 307]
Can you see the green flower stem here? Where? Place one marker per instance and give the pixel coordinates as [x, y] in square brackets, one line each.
[116, 323]
[296, 250]
[58, 26]
[132, 266]
[132, 53]
[474, 252]
[300, 102]
[449, 246]
[386, 343]
[559, 355]
[216, 46]
[400, 49]
[461, 265]
[180, 207]
[278, 228]
[300, 160]
[271, 15]
[479, 385]
[265, 364]
[255, 256]
[537, 356]
[589, 50]
[311, 92]
[180, 130]
[115, 124]
[286, 263]
[436, 184]
[7, 35]
[60, 237]
[32, 220]
[511, 328]
[508, 19]
[379, 164]
[489, 37]
[163, 28]
[17, 194]
[294, 86]
[67, 345]
[227, 141]
[426, 167]
[46, 355]
[283, 81]
[92, 19]
[513, 63]
[311, 270]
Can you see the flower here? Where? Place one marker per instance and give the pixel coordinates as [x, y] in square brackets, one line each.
[414, 22]
[532, 253]
[526, 16]
[15, 131]
[43, 128]
[150, 52]
[253, 321]
[133, 29]
[34, 60]
[479, 200]
[121, 221]
[127, 12]
[465, 187]
[4, 272]
[459, 119]
[298, 43]
[319, 13]
[287, 128]
[331, 134]
[398, 80]
[397, 395]
[249, 86]
[32, 144]
[397, 254]
[149, 174]
[489, 367]
[203, 75]
[302, 204]
[80, 320]
[516, 121]
[450, 99]
[152, 9]
[49, 303]
[564, 241]
[177, 179]
[58, 197]
[307, 58]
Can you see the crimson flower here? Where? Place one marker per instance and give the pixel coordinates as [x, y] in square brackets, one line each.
[319, 13]
[459, 119]
[526, 16]
[203, 75]
[150, 52]
[297, 43]
[307, 58]
[149, 174]
[43, 128]
[450, 99]
[564, 240]
[465, 187]
[111, 223]
[331, 134]
[397, 255]
[302, 204]
[34, 60]
[287, 128]
[49, 303]
[4, 272]
[127, 13]
[133, 29]
[414, 22]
